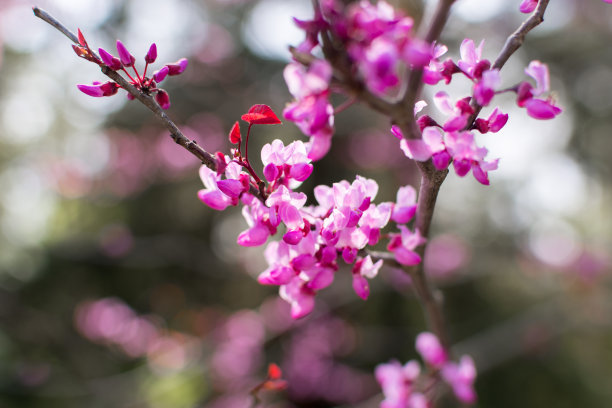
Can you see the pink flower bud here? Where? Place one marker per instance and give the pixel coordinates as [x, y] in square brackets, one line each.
[97, 90]
[163, 99]
[151, 54]
[124, 55]
[177, 67]
[110, 61]
[160, 74]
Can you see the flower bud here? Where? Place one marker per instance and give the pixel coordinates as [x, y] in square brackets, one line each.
[163, 99]
[126, 58]
[151, 54]
[160, 74]
[178, 67]
[108, 59]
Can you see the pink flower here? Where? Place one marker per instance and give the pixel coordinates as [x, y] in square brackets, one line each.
[468, 156]
[537, 108]
[311, 111]
[494, 123]
[211, 195]
[299, 296]
[364, 268]
[402, 245]
[471, 61]
[378, 63]
[484, 90]
[461, 378]
[405, 206]
[397, 382]
[428, 345]
[430, 146]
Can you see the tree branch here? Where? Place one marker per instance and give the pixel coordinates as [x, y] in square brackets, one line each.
[176, 134]
[190, 145]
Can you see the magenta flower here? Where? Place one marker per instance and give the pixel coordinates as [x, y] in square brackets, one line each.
[461, 378]
[403, 245]
[484, 90]
[311, 111]
[428, 345]
[364, 268]
[397, 383]
[526, 94]
[468, 156]
[405, 206]
[471, 62]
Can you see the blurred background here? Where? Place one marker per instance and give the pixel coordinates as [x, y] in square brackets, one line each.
[119, 288]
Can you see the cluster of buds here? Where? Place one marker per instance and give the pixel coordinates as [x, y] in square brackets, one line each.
[144, 84]
[406, 386]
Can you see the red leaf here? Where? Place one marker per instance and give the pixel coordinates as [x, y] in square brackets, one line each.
[261, 115]
[274, 372]
[234, 136]
[82, 38]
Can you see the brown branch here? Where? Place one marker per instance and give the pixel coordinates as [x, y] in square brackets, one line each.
[431, 299]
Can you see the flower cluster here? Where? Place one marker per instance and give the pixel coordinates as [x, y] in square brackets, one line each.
[144, 84]
[405, 386]
[381, 46]
[453, 140]
[344, 221]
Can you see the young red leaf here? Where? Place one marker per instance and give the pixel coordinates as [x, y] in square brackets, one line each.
[234, 136]
[81, 38]
[261, 115]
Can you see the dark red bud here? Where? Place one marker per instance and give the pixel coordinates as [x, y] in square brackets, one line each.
[481, 125]
[481, 67]
[464, 106]
[523, 93]
[163, 99]
[426, 121]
